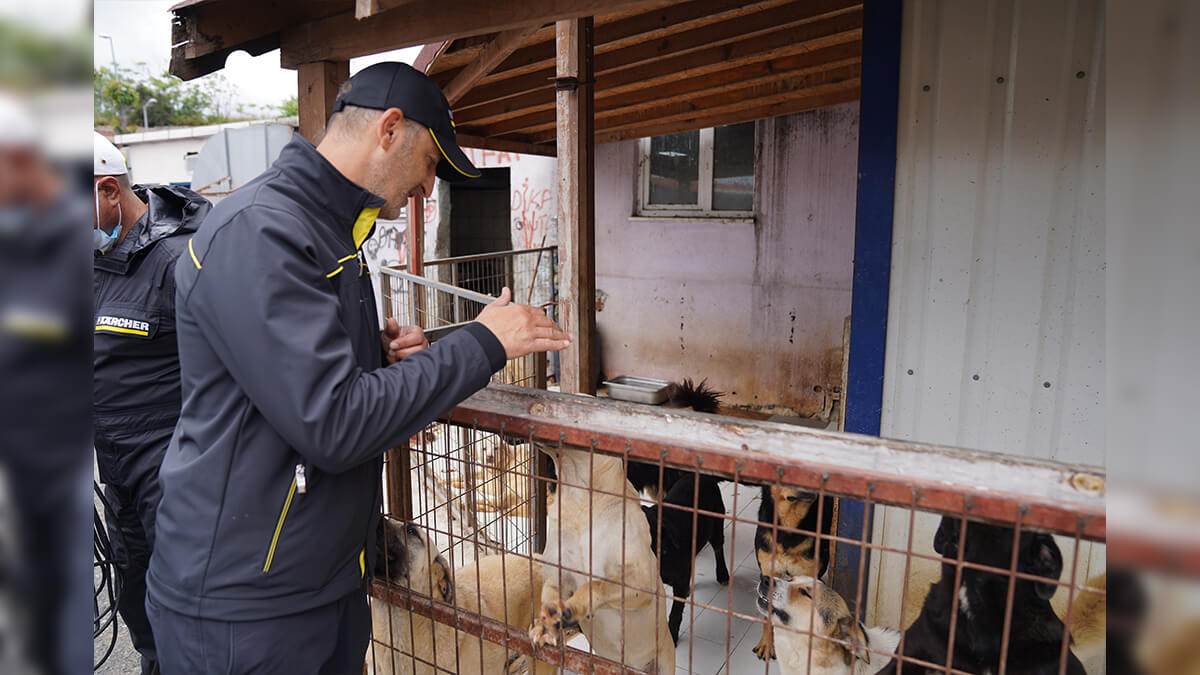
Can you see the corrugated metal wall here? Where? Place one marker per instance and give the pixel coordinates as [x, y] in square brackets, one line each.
[996, 316]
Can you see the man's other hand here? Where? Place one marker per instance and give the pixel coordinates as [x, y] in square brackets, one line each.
[522, 329]
[400, 341]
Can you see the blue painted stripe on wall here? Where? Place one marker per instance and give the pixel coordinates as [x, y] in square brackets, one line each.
[879, 107]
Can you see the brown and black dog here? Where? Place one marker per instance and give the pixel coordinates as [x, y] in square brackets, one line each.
[790, 551]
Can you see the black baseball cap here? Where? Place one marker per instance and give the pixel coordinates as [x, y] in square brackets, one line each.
[392, 84]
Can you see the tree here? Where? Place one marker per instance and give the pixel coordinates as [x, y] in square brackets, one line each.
[118, 97]
[290, 107]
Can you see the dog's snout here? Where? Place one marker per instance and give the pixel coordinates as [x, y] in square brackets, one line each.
[764, 586]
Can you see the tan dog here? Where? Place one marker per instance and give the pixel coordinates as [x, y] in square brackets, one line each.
[585, 531]
[804, 609]
[505, 588]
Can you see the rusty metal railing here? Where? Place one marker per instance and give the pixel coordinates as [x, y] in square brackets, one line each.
[1026, 499]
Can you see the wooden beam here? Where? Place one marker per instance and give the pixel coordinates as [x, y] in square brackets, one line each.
[539, 53]
[707, 86]
[842, 92]
[576, 204]
[692, 50]
[504, 145]
[317, 87]
[341, 36]
[1064, 497]
[367, 8]
[496, 51]
[749, 94]
[227, 25]
[662, 77]
[428, 54]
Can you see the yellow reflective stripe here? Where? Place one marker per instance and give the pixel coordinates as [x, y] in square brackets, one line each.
[334, 273]
[279, 526]
[118, 329]
[352, 255]
[193, 252]
[363, 225]
[362, 562]
[448, 160]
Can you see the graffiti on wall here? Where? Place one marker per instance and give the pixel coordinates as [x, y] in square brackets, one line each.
[485, 158]
[531, 214]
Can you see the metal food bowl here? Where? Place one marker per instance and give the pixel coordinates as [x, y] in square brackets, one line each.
[638, 389]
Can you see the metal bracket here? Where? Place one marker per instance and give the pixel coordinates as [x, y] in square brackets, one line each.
[566, 83]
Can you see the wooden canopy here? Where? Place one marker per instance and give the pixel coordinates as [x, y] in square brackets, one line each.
[553, 77]
[659, 67]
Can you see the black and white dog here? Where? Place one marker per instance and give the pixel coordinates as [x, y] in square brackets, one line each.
[1036, 633]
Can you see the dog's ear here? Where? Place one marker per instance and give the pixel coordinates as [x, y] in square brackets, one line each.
[945, 541]
[1042, 558]
[442, 583]
[849, 630]
[390, 551]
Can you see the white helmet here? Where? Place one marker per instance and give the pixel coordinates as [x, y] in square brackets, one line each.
[107, 159]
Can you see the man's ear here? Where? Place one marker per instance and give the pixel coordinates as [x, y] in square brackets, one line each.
[1042, 558]
[108, 188]
[391, 127]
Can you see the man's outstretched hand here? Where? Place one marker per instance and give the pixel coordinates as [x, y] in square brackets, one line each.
[400, 341]
[522, 329]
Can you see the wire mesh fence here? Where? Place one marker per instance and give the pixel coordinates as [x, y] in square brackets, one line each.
[457, 289]
[542, 531]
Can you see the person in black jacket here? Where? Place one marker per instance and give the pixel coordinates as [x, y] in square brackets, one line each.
[140, 233]
[291, 393]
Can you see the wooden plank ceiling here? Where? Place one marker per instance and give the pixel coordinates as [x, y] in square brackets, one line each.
[659, 68]
[688, 66]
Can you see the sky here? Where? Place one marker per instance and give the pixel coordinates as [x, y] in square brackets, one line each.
[141, 33]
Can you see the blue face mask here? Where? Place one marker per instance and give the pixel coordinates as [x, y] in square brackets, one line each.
[101, 240]
[104, 242]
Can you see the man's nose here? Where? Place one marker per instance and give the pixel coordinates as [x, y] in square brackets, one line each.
[427, 185]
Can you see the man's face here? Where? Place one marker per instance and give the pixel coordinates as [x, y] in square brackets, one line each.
[405, 169]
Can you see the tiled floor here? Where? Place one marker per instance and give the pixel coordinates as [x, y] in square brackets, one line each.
[707, 630]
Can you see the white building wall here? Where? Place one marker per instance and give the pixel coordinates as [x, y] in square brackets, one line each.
[996, 318]
[162, 161]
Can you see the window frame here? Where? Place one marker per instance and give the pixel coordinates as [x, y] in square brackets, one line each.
[702, 209]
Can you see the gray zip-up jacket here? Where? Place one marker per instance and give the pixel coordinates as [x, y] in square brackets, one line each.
[271, 483]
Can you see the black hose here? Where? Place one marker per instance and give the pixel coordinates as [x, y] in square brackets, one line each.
[107, 585]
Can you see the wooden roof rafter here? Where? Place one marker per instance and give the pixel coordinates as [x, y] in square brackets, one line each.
[659, 65]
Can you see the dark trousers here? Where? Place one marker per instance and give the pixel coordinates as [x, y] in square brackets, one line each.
[328, 640]
[128, 460]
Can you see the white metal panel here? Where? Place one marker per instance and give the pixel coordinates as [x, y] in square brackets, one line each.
[996, 317]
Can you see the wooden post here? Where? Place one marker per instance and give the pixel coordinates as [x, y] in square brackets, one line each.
[416, 256]
[317, 87]
[576, 201]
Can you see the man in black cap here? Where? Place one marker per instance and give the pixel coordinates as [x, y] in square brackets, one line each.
[291, 393]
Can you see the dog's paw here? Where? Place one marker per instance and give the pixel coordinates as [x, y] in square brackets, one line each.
[542, 636]
[558, 617]
[517, 664]
[764, 649]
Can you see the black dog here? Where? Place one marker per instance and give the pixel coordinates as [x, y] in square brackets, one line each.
[678, 554]
[784, 553]
[687, 394]
[1036, 632]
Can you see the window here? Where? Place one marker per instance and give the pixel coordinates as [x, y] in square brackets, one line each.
[703, 173]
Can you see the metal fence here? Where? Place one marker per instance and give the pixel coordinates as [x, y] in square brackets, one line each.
[530, 273]
[565, 573]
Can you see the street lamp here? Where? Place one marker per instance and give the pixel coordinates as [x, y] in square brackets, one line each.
[111, 50]
[145, 119]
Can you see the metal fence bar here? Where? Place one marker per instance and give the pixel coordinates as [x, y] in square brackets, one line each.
[1057, 494]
